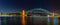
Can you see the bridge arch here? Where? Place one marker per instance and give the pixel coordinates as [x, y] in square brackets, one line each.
[40, 10]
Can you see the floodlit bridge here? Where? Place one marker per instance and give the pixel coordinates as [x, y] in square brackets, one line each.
[35, 11]
[41, 11]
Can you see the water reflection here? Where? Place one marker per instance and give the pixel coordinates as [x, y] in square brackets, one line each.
[36, 20]
[16, 20]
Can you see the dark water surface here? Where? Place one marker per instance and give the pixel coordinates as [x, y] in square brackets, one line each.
[17, 20]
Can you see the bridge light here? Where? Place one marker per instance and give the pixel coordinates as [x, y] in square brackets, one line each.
[52, 18]
[23, 17]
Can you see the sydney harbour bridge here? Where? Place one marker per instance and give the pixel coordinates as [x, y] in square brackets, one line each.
[37, 16]
[44, 16]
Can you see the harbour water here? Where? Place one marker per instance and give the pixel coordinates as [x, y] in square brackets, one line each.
[16, 20]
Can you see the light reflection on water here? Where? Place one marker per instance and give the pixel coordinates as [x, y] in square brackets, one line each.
[55, 20]
[16, 20]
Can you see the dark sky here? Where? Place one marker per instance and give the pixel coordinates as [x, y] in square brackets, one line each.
[17, 5]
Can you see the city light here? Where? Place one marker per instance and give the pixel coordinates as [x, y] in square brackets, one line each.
[23, 17]
[52, 18]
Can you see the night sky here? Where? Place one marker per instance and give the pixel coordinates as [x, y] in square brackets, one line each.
[17, 5]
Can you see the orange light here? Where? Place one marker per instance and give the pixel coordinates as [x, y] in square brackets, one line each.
[53, 18]
[52, 14]
[23, 17]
